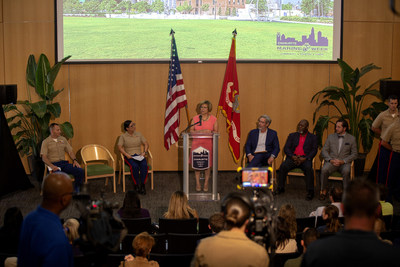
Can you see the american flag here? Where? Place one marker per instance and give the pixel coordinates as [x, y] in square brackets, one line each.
[176, 98]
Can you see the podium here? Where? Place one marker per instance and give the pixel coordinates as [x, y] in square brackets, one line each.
[198, 150]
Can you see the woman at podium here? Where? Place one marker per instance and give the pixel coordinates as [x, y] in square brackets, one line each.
[205, 123]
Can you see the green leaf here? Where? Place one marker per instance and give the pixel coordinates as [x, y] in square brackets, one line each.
[54, 70]
[367, 136]
[67, 129]
[54, 109]
[31, 68]
[41, 76]
[39, 108]
[54, 94]
[321, 125]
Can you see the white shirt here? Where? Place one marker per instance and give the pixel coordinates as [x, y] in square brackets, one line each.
[262, 137]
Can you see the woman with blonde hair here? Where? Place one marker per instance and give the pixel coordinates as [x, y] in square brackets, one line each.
[71, 227]
[142, 245]
[288, 213]
[179, 207]
[207, 123]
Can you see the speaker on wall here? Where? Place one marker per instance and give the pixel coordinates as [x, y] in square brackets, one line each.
[389, 87]
[8, 94]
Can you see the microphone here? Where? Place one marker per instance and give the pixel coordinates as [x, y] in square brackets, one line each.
[200, 119]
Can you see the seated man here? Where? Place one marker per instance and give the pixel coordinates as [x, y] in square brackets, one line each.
[262, 144]
[53, 154]
[357, 244]
[300, 149]
[339, 151]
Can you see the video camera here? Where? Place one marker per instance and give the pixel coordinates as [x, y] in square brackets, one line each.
[263, 219]
[99, 229]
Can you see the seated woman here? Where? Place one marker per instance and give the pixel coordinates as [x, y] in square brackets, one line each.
[288, 213]
[131, 207]
[179, 207]
[331, 216]
[142, 245]
[284, 242]
[130, 145]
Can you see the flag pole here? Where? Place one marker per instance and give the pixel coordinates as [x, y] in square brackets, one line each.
[234, 33]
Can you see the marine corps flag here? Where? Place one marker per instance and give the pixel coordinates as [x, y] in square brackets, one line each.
[229, 102]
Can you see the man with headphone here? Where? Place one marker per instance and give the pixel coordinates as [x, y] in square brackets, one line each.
[231, 247]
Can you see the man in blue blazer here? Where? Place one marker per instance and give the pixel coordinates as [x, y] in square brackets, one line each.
[262, 144]
[300, 149]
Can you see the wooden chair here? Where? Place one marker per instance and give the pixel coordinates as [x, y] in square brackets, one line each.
[273, 173]
[124, 169]
[337, 175]
[180, 226]
[299, 172]
[98, 163]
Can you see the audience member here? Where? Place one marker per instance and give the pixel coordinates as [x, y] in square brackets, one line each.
[43, 241]
[179, 207]
[10, 232]
[262, 145]
[217, 222]
[387, 207]
[53, 155]
[284, 242]
[231, 247]
[330, 215]
[131, 207]
[357, 245]
[335, 197]
[206, 123]
[300, 149]
[288, 213]
[309, 235]
[71, 229]
[142, 245]
[339, 151]
[130, 145]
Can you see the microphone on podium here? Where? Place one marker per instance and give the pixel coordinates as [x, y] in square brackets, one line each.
[200, 119]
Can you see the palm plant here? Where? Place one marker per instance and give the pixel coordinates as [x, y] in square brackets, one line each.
[30, 120]
[352, 98]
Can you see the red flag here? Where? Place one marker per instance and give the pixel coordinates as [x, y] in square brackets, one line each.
[229, 102]
[176, 98]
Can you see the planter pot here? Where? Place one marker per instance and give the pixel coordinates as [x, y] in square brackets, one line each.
[36, 167]
[359, 164]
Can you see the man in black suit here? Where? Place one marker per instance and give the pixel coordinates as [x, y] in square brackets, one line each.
[300, 149]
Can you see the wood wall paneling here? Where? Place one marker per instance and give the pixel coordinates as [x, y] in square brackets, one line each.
[367, 10]
[28, 11]
[396, 51]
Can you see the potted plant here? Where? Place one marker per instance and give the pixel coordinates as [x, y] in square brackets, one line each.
[30, 120]
[359, 115]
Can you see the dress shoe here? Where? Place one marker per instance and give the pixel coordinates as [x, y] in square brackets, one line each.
[279, 191]
[143, 189]
[310, 196]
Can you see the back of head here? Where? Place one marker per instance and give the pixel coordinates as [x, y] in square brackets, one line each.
[309, 236]
[360, 199]
[288, 213]
[142, 244]
[71, 227]
[217, 222]
[282, 232]
[57, 191]
[178, 206]
[236, 208]
[131, 206]
[336, 193]
[13, 218]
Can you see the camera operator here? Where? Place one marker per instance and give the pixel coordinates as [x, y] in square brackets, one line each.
[231, 247]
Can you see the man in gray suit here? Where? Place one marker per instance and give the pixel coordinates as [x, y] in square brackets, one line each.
[339, 151]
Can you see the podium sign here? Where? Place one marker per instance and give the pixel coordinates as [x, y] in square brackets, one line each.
[203, 154]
